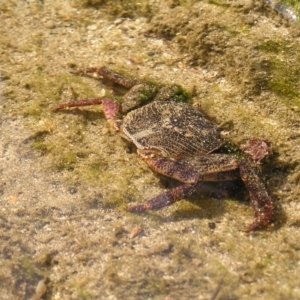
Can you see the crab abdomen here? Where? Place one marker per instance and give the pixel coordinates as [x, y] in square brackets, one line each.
[174, 129]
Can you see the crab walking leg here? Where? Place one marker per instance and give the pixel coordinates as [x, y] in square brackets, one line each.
[165, 199]
[187, 173]
[85, 102]
[110, 75]
[110, 107]
[180, 170]
[261, 201]
[221, 177]
[213, 167]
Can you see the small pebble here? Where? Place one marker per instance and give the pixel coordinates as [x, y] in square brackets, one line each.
[92, 27]
[73, 191]
[118, 21]
[40, 290]
[212, 225]
[13, 199]
[135, 232]
[50, 24]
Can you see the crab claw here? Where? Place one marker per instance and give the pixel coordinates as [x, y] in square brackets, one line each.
[257, 149]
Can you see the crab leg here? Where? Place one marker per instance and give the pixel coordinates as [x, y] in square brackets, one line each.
[184, 172]
[110, 75]
[110, 107]
[261, 201]
[85, 102]
[179, 170]
[213, 167]
[165, 199]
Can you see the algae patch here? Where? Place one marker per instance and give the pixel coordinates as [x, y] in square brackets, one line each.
[284, 70]
[252, 63]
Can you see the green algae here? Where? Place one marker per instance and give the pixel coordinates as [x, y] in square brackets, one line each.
[209, 47]
[274, 46]
[284, 70]
[145, 94]
[43, 146]
[66, 161]
[84, 294]
[173, 92]
[49, 91]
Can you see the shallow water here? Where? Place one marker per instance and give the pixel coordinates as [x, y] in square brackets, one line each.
[66, 177]
[287, 11]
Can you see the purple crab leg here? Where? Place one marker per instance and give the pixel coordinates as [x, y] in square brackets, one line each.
[165, 199]
[110, 107]
[110, 75]
[260, 199]
[85, 102]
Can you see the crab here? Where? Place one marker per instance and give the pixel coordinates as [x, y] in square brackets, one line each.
[178, 141]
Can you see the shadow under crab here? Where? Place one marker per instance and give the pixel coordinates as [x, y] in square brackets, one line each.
[178, 141]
